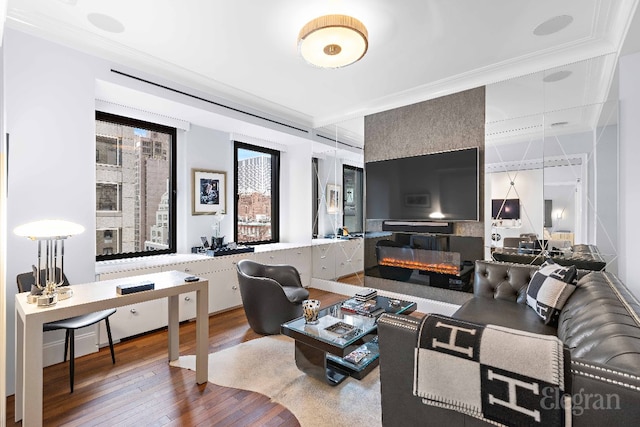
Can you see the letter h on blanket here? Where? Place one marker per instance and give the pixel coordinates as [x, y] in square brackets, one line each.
[490, 372]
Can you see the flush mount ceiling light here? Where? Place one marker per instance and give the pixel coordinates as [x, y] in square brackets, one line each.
[333, 41]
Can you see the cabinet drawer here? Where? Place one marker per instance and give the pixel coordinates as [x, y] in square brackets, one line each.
[187, 306]
[224, 292]
[135, 319]
[195, 268]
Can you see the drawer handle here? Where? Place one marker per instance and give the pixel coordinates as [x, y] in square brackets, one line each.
[324, 268]
[299, 253]
[271, 257]
[234, 287]
[134, 311]
[186, 270]
[323, 257]
[187, 298]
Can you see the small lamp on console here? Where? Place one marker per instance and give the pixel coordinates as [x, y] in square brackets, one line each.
[48, 286]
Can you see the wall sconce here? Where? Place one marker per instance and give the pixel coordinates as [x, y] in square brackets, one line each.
[49, 289]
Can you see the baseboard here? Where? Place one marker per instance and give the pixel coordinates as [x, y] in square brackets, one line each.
[86, 342]
[423, 305]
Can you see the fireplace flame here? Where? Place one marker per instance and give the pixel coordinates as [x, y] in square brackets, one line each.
[441, 268]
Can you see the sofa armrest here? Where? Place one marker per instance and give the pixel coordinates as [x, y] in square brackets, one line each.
[398, 335]
[602, 395]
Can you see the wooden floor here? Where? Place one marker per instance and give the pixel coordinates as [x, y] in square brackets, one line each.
[141, 389]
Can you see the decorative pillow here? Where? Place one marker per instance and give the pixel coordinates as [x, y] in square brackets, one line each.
[549, 289]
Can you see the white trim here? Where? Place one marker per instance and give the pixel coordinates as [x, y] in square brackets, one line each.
[135, 113]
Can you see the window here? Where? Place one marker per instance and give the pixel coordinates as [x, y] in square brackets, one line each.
[352, 213]
[257, 183]
[135, 188]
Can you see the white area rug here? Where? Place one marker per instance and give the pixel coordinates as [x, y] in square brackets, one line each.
[266, 365]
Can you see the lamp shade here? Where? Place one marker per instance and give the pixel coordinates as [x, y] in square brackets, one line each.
[48, 229]
[333, 41]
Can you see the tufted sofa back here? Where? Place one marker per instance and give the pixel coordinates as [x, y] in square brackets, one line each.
[503, 281]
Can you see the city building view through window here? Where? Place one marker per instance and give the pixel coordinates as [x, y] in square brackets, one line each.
[133, 187]
[256, 185]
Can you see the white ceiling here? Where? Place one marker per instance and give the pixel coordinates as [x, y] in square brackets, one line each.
[245, 50]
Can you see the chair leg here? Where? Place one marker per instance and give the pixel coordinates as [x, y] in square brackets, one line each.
[113, 355]
[66, 344]
[72, 358]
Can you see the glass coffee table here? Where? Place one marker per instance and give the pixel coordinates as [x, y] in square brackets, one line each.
[344, 342]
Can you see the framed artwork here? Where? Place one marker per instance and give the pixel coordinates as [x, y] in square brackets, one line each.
[209, 192]
[333, 198]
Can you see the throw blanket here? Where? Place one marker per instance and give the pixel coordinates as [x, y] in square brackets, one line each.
[500, 375]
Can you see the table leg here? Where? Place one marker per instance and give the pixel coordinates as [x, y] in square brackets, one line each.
[174, 328]
[202, 335]
[313, 362]
[29, 372]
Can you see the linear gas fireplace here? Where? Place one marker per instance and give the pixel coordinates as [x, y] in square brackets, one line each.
[420, 259]
[429, 267]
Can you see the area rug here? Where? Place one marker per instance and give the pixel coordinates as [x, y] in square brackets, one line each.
[266, 365]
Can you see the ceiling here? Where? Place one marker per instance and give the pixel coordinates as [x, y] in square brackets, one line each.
[245, 51]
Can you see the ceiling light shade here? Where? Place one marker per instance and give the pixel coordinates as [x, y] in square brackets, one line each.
[333, 41]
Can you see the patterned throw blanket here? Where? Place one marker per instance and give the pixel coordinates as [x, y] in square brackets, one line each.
[500, 375]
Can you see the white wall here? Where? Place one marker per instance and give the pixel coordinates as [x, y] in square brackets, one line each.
[629, 95]
[50, 104]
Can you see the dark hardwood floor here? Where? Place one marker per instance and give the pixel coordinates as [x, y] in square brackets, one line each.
[141, 389]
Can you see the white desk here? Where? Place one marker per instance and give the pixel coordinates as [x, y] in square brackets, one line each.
[88, 298]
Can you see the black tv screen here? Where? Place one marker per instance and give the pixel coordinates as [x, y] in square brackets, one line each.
[439, 186]
[505, 208]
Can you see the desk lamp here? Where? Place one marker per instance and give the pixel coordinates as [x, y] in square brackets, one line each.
[53, 233]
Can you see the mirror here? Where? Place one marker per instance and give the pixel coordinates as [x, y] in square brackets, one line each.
[337, 167]
[551, 165]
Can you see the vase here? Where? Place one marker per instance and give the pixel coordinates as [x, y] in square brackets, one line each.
[310, 310]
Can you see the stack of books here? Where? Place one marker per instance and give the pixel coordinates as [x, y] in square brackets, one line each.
[366, 295]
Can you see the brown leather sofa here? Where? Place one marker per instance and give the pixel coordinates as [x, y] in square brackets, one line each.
[599, 324]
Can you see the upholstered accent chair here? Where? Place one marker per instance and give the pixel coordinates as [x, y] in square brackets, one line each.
[271, 295]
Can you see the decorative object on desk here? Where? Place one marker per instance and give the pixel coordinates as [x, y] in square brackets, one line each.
[49, 289]
[217, 240]
[333, 198]
[209, 192]
[310, 310]
[365, 308]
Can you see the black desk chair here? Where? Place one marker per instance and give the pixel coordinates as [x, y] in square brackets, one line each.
[26, 280]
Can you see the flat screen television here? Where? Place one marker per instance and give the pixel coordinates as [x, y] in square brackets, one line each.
[505, 208]
[432, 187]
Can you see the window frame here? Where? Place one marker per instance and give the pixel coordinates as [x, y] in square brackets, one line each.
[275, 191]
[173, 209]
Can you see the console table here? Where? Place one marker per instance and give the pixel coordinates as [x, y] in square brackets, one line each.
[88, 298]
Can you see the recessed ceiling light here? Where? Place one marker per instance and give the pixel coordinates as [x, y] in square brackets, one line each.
[106, 22]
[553, 25]
[557, 76]
[559, 124]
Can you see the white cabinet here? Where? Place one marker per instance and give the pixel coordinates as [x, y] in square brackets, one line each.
[224, 292]
[337, 258]
[135, 319]
[324, 261]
